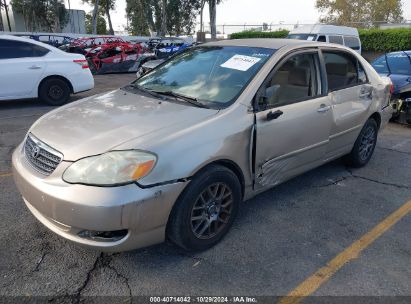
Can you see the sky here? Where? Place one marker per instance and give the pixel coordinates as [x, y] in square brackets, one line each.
[244, 11]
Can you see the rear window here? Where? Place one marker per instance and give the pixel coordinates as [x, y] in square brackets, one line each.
[352, 42]
[10, 49]
[380, 65]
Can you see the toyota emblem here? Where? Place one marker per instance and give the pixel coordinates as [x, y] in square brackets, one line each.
[35, 152]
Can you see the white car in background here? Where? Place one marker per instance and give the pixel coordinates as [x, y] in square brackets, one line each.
[343, 35]
[32, 69]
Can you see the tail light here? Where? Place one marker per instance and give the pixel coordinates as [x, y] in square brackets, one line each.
[392, 89]
[82, 62]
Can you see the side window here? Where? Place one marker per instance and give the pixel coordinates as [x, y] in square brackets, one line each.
[399, 63]
[343, 70]
[352, 42]
[336, 39]
[39, 51]
[380, 65]
[295, 80]
[322, 38]
[10, 49]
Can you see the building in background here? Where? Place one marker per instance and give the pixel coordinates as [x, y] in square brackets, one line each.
[76, 22]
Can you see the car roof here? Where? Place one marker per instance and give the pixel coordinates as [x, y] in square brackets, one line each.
[270, 43]
[29, 40]
[399, 52]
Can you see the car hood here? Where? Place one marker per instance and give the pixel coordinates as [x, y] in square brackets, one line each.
[101, 123]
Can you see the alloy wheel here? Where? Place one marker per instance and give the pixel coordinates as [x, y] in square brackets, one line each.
[368, 141]
[211, 211]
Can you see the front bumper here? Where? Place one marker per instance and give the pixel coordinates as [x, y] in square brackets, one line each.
[67, 209]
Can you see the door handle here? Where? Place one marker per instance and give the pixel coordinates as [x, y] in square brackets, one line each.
[274, 115]
[35, 67]
[366, 93]
[323, 108]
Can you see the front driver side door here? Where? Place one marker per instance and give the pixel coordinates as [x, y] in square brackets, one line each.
[22, 65]
[293, 120]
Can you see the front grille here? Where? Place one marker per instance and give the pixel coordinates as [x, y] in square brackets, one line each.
[40, 156]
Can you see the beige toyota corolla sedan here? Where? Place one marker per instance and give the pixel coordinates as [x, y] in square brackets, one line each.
[173, 154]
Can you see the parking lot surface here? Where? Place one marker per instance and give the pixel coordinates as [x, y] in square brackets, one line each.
[279, 239]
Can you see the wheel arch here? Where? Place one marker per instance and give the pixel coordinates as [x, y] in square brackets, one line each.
[377, 117]
[232, 166]
[55, 77]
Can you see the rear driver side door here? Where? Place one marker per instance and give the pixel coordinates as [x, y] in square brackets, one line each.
[293, 120]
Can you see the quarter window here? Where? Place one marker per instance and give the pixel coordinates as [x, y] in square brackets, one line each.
[380, 65]
[295, 80]
[10, 49]
[336, 39]
[343, 70]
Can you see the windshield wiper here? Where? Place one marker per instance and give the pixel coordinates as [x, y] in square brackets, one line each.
[143, 89]
[189, 99]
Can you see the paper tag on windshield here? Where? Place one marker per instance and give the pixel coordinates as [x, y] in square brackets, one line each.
[240, 62]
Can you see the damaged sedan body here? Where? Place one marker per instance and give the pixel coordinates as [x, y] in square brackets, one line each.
[173, 154]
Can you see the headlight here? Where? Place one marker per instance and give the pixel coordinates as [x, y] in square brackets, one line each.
[111, 168]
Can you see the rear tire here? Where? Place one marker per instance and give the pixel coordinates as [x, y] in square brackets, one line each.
[206, 209]
[54, 91]
[364, 146]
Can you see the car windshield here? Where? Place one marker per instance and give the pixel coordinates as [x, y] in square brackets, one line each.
[310, 37]
[211, 75]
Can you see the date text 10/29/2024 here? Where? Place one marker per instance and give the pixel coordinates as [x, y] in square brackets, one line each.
[235, 299]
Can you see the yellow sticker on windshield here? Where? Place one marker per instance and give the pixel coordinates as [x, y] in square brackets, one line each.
[240, 62]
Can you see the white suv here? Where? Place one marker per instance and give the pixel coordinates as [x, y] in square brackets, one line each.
[31, 69]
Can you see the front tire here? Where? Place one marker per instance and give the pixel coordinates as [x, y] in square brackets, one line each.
[206, 209]
[364, 146]
[54, 91]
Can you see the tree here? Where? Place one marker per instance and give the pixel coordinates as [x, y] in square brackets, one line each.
[140, 14]
[101, 26]
[202, 4]
[361, 13]
[163, 27]
[212, 4]
[164, 17]
[49, 15]
[95, 17]
[106, 6]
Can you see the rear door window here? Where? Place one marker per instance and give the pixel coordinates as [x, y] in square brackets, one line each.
[10, 49]
[352, 42]
[343, 70]
[336, 39]
[399, 63]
